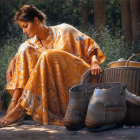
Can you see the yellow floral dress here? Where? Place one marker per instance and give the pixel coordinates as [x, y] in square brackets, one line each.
[45, 75]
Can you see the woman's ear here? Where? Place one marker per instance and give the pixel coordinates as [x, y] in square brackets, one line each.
[36, 21]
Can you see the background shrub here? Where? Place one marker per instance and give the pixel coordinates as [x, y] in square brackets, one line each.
[10, 44]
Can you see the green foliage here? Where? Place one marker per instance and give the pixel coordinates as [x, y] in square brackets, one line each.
[57, 11]
[112, 45]
[7, 52]
[8, 9]
[113, 14]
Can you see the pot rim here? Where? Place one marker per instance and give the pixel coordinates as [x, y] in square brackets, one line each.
[125, 61]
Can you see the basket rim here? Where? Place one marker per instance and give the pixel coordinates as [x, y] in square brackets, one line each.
[123, 67]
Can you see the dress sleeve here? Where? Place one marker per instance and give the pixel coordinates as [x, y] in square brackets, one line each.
[78, 44]
[83, 45]
[91, 45]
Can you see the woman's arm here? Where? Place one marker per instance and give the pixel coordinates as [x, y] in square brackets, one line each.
[10, 69]
[95, 68]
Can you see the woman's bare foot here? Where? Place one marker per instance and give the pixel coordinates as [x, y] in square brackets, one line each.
[11, 117]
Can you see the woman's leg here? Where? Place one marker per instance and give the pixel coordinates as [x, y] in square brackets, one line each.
[25, 63]
[16, 95]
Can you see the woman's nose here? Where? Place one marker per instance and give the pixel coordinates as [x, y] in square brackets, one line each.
[24, 31]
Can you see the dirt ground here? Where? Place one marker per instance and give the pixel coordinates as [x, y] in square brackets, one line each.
[31, 130]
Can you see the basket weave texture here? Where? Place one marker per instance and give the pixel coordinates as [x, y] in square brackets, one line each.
[128, 75]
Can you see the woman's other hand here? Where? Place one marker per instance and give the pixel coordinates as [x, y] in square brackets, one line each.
[10, 70]
[95, 68]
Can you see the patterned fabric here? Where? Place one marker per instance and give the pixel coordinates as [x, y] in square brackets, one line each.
[45, 75]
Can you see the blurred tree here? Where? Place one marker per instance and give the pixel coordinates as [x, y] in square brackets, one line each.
[80, 13]
[85, 10]
[0, 23]
[113, 15]
[99, 13]
[126, 20]
[135, 16]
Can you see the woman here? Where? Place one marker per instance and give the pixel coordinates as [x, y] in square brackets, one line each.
[45, 67]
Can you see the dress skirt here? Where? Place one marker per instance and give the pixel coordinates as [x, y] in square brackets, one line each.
[45, 79]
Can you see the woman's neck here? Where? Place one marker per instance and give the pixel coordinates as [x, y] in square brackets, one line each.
[42, 32]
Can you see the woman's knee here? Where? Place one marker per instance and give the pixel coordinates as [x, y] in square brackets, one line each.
[24, 47]
[50, 53]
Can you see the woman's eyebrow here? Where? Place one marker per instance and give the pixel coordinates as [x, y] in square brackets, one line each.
[24, 25]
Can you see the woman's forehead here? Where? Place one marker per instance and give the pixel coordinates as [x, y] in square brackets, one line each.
[21, 23]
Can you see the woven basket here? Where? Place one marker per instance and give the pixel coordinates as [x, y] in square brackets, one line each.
[126, 74]
[133, 108]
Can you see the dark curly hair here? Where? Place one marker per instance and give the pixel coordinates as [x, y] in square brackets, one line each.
[28, 13]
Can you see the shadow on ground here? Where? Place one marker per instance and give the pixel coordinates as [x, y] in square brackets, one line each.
[31, 130]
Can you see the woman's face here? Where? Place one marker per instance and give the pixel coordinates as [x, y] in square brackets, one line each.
[29, 28]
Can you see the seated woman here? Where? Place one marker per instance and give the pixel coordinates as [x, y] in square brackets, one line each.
[45, 67]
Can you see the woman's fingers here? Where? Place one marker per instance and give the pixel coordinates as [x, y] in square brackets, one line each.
[9, 76]
[95, 71]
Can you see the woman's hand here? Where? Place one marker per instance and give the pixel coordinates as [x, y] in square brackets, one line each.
[95, 68]
[10, 70]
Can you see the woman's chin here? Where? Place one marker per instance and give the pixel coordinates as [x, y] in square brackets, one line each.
[30, 36]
